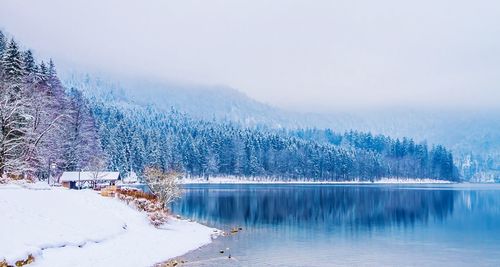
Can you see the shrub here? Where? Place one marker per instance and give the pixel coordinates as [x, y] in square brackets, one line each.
[164, 185]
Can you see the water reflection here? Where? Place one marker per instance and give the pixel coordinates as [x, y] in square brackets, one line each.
[315, 206]
[348, 225]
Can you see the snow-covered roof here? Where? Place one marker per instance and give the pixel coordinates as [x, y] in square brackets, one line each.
[131, 177]
[89, 176]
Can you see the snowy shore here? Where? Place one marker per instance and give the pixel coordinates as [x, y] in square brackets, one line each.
[263, 180]
[61, 227]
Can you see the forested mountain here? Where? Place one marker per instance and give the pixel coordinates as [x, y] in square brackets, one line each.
[47, 128]
[473, 136]
[138, 137]
[200, 102]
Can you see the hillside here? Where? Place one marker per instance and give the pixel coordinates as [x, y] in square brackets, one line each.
[139, 137]
[200, 102]
[473, 136]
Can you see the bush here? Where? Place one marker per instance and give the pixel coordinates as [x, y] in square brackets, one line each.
[164, 185]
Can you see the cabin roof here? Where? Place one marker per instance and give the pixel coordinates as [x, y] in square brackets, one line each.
[131, 177]
[89, 176]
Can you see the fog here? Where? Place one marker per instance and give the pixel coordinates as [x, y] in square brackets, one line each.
[306, 55]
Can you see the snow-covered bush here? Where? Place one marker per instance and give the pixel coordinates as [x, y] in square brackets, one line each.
[165, 186]
[146, 202]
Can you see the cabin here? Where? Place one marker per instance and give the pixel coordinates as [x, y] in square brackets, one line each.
[89, 179]
[130, 178]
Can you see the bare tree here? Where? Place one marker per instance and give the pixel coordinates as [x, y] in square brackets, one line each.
[14, 125]
[81, 136]
[164, 185]
[46, 135]
[96, 167]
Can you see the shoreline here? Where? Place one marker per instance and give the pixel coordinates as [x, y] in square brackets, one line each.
[61, 227]
[237, 180]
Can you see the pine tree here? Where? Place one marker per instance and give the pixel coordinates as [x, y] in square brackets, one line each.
[12, 63]
[53, 80]
[42, 74]
[29, 64]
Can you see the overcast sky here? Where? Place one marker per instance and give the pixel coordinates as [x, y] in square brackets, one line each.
[309, 55]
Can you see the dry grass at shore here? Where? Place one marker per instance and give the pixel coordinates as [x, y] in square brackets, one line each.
[19, 263]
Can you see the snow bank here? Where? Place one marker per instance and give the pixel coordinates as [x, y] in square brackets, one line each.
[61, 227]
[264, 180]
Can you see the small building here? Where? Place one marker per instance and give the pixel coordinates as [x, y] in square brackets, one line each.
[89, 179]
[130, 178]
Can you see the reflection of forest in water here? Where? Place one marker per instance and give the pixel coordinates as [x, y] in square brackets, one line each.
[353, 206]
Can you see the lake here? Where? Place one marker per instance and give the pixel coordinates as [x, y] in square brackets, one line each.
[347, 225]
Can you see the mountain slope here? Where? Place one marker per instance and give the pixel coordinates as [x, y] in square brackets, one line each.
[473, 136]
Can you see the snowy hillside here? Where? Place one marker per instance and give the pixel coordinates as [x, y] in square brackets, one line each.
[474, 137]
[200, 102]
[62, 227]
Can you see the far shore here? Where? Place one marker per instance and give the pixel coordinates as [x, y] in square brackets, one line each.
[258, 180]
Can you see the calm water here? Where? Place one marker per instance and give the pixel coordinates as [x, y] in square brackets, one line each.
[347, 225]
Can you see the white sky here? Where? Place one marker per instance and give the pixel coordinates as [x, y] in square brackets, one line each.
[310, 55]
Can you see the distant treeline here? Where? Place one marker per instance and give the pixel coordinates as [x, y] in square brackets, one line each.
[402, 156]
[138, 137]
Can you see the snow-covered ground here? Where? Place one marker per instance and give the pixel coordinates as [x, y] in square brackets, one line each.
[264, 180]
[61, 227]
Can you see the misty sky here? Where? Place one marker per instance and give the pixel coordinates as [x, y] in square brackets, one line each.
[310, 55]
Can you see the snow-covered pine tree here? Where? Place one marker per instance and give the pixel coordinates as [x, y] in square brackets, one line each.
[12, 64]
[30, 67]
